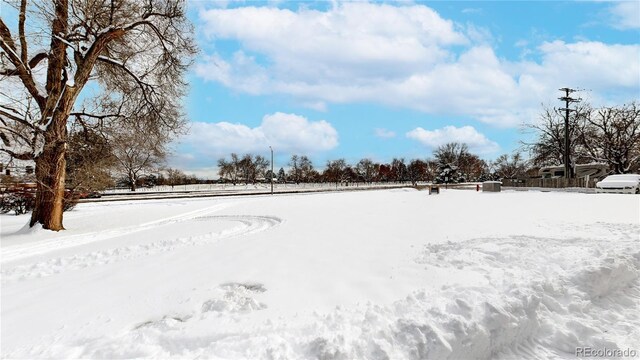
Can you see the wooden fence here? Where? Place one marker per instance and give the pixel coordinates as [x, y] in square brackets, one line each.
[581, 182]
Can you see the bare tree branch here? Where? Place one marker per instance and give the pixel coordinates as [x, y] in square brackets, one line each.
[19, 156]
[23, 39]
[7, 44]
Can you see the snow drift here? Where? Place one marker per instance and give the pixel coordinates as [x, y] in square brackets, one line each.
[267, 278]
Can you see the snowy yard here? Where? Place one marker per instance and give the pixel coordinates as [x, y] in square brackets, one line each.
[389, 274]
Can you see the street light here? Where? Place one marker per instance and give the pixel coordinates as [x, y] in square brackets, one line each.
[270, 148]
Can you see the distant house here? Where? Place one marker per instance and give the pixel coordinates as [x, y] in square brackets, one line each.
[593, 170]
[17, 169]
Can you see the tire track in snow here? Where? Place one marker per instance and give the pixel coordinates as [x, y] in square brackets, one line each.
[42, 247]
[247, 225]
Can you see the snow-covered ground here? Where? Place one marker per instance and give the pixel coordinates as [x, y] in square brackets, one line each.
[210, 190]
[388, 274]
[258, 187]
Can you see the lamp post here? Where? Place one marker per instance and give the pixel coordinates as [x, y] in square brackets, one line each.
[270, 148]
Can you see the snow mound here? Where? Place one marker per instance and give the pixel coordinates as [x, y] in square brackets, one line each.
[581, 292]
[540, 298]
[609, 276]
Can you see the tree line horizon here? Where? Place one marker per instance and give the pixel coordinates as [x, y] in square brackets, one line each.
[452, 160]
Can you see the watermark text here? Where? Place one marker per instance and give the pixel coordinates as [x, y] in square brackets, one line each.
[605, 352]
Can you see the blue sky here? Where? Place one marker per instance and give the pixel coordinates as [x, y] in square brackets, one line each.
[381, 80]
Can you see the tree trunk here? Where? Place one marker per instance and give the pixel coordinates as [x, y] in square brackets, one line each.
[50, 176]
[132, 182]
[50, 163]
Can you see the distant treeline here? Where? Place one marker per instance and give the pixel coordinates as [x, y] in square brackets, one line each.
[451, 163]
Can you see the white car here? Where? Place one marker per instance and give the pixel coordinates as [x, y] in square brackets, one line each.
[622, 183]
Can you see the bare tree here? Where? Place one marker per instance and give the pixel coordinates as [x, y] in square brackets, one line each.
[398, 169]
[307, 171]
[229, 170]
[295, 172]
[611, 135]
[472, 168]
[138, 49]
[548, 147]
[349, 174]
[383, 172]
[301, 169]
[451, 153]
[260, 166]
[252, 167]
[89, 160]
[176, 177]
[366, 170]
[137, 153]
[509, 168]
[335, 171]
[225, 169]
[248, 168]
[419, 170]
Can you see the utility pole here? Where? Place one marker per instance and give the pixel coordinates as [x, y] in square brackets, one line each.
[270, 148]
[568, 173]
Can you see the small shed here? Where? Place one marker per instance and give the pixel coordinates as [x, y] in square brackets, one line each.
[491, 186]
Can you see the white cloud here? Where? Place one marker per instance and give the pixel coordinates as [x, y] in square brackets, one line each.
[592, 65]
[316, 105]
[479, 34]
[472, 11]
[284, 132]
[192, 165]
[626, 15]
[240, 73]
[351, 31]
[405, 56]
[203, 172]
[384, 133]
[351, 39]
[521, 43]
[476, 141]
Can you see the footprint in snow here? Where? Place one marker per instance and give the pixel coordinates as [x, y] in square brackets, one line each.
[237, 298]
